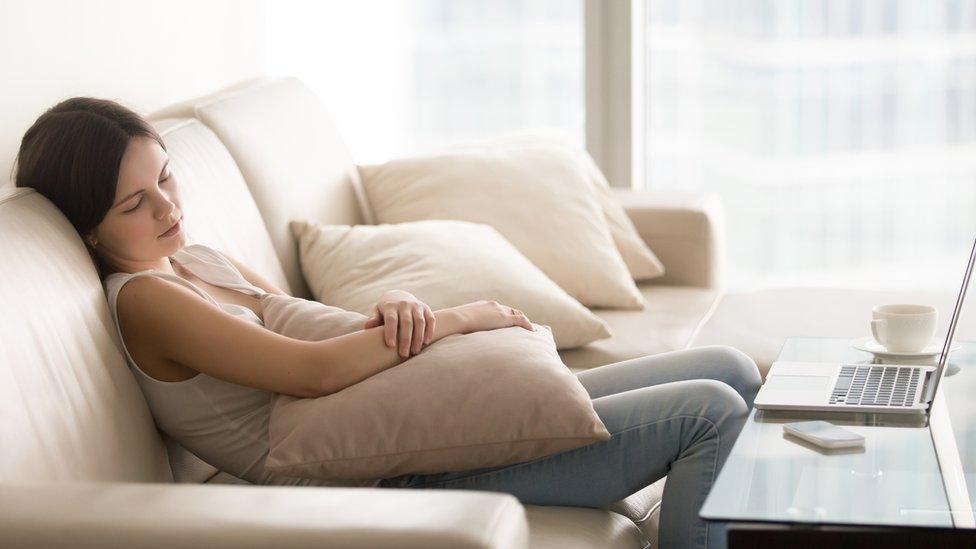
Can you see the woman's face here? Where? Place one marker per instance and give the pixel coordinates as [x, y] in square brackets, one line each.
[146, 205]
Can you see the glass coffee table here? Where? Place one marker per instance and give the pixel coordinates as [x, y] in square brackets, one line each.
[899, 478]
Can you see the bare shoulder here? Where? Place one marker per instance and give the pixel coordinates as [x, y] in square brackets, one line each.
[136, 296]
[142, 293]
[255, 278]
[138, 289]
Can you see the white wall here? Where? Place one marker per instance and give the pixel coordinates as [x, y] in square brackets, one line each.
[356, 56]
[142, 54]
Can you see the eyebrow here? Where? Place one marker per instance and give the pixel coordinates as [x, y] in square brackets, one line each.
[141, 190]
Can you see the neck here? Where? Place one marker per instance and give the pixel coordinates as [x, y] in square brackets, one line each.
[164, 264]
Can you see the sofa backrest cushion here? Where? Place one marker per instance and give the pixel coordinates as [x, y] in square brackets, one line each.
[70, 409]
[218, 209]
[291, 155]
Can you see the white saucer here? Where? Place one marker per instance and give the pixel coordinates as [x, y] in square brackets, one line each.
[869, 345]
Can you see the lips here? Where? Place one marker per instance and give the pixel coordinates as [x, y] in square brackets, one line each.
[171, 229]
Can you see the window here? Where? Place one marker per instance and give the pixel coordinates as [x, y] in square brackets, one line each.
[840, 135]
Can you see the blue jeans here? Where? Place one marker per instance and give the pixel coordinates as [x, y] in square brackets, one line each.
[674, 414]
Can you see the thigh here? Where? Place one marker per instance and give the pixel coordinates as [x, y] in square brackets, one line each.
[649, 426]
[718, 362]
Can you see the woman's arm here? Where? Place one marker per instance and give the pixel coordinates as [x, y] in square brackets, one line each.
[351, 358]
[166, 321]
[359, 355]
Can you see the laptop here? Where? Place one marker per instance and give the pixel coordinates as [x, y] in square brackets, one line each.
[868, 388]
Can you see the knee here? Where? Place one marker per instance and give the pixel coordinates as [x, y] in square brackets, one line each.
[738, 368]
[718, 402]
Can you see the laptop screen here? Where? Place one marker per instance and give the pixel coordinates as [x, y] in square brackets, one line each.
[944, 357]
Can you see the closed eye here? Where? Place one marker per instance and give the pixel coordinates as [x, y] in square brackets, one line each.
[163, 180]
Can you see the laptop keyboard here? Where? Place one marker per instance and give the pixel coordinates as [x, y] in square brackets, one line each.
[876, 385]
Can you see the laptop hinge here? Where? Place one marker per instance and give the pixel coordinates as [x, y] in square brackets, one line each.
[927, 387]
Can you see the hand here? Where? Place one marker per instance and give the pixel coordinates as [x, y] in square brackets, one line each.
[490, 314]
[409, 322]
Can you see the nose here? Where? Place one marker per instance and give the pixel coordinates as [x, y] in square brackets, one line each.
[167, 210]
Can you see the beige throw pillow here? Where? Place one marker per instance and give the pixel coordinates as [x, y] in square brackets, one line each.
[443, 263]
[542, 203]
[482, 399]
[641, 261]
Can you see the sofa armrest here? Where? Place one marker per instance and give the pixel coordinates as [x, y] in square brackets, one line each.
[116, 514]
[684, 229]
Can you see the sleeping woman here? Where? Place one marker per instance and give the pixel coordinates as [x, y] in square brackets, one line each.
[190, 321]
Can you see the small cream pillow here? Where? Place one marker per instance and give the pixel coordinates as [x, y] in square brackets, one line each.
[445, 264]
[542, 203]
[482, 399]
[641, 261]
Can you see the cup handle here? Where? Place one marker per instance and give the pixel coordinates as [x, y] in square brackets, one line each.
[876, 325]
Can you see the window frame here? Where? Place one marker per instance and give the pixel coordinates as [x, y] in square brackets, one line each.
[614, 76]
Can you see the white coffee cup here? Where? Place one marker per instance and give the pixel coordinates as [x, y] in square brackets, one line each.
[904, 328]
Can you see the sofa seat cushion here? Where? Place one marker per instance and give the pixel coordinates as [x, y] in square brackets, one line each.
[758, 322]
[643, 508]
[630, 522]
[667, 323]
[553, 527]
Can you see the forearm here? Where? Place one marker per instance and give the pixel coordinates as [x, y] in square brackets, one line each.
[351, 358]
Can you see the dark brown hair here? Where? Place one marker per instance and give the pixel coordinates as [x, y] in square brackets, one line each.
[72, 153]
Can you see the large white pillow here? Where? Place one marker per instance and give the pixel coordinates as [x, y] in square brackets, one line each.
[539, 198]
[641, 261]
[444, 263]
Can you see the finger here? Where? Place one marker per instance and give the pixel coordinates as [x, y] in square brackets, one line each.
[372, 322]
[428, 325]
[523, 321]
[406, 330]
[418, 330]
[390, 330]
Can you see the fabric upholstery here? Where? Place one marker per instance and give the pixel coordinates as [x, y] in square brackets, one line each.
[631, 522]
[686, 230]
[71, 410]
[643, 508]
[351, 266]
[669, 322]
[94, 515]
[552, 527]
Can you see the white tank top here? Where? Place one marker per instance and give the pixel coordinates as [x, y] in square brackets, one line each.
[222, 423]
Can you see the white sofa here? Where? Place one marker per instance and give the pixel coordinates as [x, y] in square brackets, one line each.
[83, 463]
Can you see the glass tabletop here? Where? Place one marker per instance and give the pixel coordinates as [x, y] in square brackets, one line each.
[895, 479]
[956, 443]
